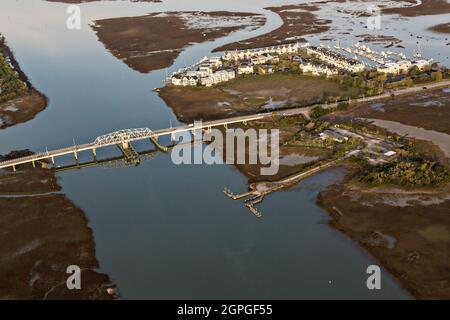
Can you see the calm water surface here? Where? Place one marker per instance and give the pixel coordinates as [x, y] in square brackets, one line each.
[166, 231]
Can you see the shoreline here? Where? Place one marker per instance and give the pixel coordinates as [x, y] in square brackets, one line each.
[381, 245]
[298, 21]
[25, 107]
[55, 233]
[154, 41]
[425, 8]
[43, 204]
[443, 28]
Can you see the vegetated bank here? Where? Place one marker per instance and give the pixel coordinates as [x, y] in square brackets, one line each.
[43, 233]
[19, 101]
[398, 211]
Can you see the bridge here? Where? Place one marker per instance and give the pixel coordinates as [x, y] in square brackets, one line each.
[123, 139]
[110, 163]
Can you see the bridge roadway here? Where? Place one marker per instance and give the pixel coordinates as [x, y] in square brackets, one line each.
[124, 137]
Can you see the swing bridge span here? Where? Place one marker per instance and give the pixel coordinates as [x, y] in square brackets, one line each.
[123, 139]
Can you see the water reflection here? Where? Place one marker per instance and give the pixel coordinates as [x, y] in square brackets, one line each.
[161, 230]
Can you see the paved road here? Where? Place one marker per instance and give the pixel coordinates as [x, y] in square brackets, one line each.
[205, 125]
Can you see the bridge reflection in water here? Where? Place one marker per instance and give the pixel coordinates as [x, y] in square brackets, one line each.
[111, 163]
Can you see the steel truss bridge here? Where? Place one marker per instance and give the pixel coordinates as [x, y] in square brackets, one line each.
[123, 139]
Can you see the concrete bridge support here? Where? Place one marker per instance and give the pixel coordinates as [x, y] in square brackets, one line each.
[158, 146]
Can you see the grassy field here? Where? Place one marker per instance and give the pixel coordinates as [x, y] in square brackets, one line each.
[429, 110]
[293, 159]
[249, 95]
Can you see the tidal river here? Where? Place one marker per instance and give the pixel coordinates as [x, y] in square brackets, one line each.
[161, 230]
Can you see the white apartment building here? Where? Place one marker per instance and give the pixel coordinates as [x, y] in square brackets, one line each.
[421, 64]
[336, 59]
[245, 68]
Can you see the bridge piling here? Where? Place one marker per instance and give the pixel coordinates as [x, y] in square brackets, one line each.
[124, 138]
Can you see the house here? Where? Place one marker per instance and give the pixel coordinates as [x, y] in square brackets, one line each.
[318, 69]
[176, 80]
[265, 69]
[335, 59]
[298, 59]
[206, 81]
[231, 74]
[245, 68]
[392, 68]
[205, 68]
[192, 73]
[216, 62]
[421, 64]
[390, 154]
[216, 78]
[193, 81]
[333, 135]
[306, 68]
[222, 75]
[185, 81]
[404, 66]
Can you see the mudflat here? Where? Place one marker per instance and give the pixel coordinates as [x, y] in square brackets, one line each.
[407, 232]
[425, 8]
[21, 109]
[429, 110]
[154, 41]
[441, 28]
[42, 234]
[298, 21]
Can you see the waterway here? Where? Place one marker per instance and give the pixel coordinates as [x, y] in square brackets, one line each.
[161, 230]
